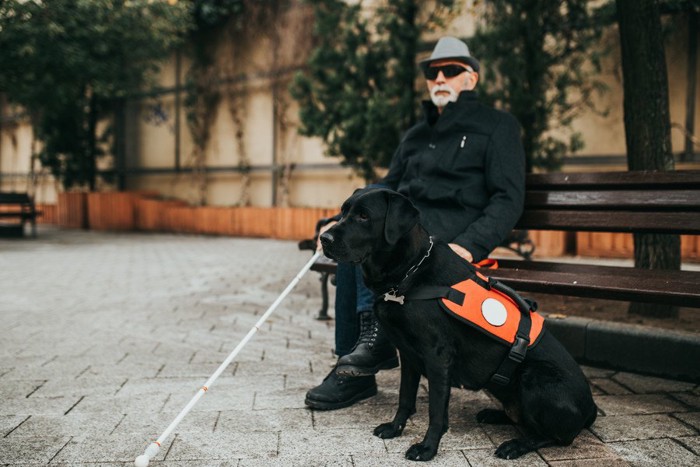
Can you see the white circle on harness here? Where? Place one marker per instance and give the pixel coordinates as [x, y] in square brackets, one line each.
[494, 312]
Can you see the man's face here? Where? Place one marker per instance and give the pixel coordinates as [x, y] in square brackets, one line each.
[452, 78]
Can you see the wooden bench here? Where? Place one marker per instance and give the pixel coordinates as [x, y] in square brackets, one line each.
[642, 202]
[20, 208]
[518, 242]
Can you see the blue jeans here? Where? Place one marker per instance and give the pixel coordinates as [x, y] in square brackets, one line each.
[351, 298]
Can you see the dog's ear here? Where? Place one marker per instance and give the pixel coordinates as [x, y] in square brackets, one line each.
[401, 216]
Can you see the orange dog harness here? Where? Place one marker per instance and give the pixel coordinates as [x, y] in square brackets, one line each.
[492, 312]
[494, 309]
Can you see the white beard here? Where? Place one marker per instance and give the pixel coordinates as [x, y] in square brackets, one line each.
[442, 101]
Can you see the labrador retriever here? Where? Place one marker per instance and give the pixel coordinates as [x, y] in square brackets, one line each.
[547, 394]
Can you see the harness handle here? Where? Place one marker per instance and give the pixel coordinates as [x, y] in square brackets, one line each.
[488, 263]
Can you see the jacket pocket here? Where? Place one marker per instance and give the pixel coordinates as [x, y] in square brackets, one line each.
[469, 153]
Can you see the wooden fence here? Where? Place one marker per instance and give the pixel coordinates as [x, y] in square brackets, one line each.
[129, 211]
[143, 211]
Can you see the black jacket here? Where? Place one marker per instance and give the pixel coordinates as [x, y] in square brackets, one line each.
[465, 172]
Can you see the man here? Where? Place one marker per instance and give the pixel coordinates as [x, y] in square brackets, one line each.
[463, 167]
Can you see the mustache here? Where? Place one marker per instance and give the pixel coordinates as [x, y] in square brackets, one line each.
[442, 87]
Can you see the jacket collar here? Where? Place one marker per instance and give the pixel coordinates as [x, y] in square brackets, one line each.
[465, 101]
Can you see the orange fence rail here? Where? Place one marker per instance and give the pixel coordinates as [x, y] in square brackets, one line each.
[142, 211]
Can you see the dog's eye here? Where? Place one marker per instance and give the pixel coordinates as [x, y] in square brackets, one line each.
[361, 217]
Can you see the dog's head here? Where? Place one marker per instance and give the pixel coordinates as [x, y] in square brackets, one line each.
[373, 219]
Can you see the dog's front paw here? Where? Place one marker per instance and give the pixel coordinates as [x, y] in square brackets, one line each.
[513, 449]
[421, 452]
[388, 430]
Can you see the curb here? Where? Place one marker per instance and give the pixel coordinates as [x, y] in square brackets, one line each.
[630, 347]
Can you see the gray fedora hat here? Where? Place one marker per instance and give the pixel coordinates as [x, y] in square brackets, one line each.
[453, 49]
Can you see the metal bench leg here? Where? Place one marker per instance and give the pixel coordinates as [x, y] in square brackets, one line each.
[323, 314]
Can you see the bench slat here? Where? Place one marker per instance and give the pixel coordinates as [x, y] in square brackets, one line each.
[324, 264]
[611, 221]
[683, 179]
[628, 202]
[681, 288]
[675, 200]
[22, 208]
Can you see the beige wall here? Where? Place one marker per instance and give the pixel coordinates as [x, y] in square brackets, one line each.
[269, 123]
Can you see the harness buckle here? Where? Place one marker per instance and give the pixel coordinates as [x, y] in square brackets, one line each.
[519, 349]
[500, 380]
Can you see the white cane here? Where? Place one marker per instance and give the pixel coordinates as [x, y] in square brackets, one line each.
[153, 448]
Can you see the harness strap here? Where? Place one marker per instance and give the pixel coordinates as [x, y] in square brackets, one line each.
[518, 350]
[430, 292]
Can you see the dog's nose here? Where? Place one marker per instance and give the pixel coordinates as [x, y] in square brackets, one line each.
[326, 238]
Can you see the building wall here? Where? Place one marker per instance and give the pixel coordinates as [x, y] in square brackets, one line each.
[253, 72]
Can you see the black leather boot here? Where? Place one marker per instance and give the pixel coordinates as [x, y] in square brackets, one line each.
[372, 352]
[336, 392]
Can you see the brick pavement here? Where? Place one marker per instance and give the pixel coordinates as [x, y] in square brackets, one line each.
[107, 336]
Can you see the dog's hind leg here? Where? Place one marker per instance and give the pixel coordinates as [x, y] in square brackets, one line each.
[410, 379]
[517, 447]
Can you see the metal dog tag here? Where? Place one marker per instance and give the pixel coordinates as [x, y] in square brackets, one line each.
[391, 296]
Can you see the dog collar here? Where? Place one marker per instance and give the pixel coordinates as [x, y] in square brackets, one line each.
[393, 294]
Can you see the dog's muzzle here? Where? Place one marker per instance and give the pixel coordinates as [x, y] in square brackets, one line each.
[326, 239]
[327, 243]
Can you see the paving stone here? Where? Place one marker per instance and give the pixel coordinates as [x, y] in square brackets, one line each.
[265, 420]
[691, 418]
[487, 458]
[605, 386]
[98, 385]
[106, 448]
[443, 458]
[195, 463]
[94, 464]
[324, 420]
[109, 366]
[8, 423]
[585, 446]
[647, 384]
[19, 388]
[329, 460]
[631, 427]
[638, 404]
[37, 450]
[142, 403]
[604, 461]
[593, 372]
[655, 452]
[499, 434]
[690, 442]
[340, 442]
[691, 399]
[74, 425]
[39, 405]
[472, 437]
[217, 399]
[279, 400]
[227, 446]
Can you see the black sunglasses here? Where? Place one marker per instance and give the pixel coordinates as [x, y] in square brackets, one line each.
[450, 71]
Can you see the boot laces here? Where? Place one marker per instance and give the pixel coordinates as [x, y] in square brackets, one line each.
[368, 331]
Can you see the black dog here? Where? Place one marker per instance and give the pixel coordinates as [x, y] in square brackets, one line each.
[547, 393]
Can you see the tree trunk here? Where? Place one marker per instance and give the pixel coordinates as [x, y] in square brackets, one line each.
[92, 144]
[647, 125]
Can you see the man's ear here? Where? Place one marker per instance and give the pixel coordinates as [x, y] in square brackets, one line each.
[401, 216]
